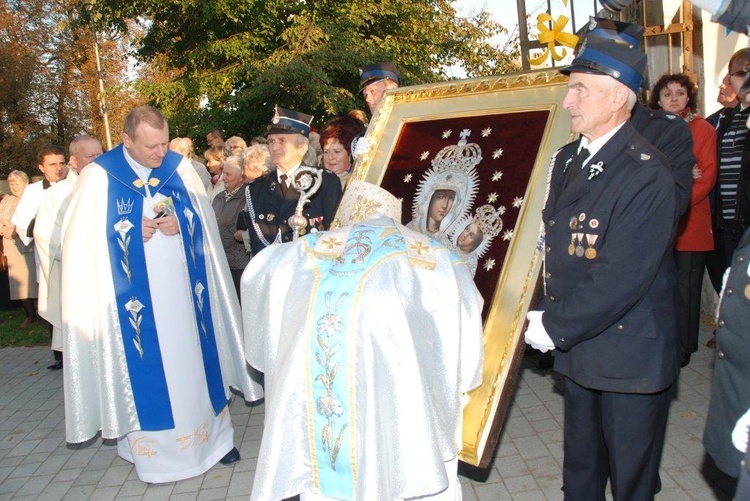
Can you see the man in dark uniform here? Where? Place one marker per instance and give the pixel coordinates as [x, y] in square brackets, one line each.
[271, 199]
[666, 131]
[609, 309]
[374, 80]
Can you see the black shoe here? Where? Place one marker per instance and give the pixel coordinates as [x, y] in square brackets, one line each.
[545, 361]
[232, 457]
[684, 359]
[56, 366]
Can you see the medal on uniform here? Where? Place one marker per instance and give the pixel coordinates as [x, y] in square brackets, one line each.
[573, 223]
[590, 251]
[747, 291]
[579, 247]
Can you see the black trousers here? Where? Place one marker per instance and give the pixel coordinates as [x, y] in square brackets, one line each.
[718, 260]
[690, 268]
[612, 436]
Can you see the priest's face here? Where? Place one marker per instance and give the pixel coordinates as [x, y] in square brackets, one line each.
[53, 167]
[148, 145]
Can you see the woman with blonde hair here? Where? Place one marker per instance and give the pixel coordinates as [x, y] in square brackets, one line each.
[21, 266]
[255, 161]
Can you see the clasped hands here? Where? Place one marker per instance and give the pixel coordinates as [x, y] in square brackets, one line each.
[536, 335]
[168, 225]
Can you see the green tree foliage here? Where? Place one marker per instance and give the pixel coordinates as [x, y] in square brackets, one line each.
[225, 63]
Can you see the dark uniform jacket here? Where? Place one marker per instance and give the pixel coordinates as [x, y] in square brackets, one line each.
[730, 388]
[671, 135]
[271, 209]
[610, 275]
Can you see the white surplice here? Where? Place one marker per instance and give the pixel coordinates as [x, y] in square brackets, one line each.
[47, 244]
[98, 395]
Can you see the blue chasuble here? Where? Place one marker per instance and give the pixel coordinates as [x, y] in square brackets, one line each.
[134, 303]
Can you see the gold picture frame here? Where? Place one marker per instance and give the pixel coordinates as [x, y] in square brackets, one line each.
[520, 122]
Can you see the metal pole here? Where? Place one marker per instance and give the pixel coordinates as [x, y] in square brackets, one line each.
[523, 34]
[102, 96]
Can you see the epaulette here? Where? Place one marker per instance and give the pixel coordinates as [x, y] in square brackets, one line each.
[641, 151]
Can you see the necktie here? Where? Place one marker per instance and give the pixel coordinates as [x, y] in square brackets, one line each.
[576, 167]
[283, 184]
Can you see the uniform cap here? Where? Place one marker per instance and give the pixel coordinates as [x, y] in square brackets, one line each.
[617, 31]
[605, 57]
[289, 122]
[376, 72]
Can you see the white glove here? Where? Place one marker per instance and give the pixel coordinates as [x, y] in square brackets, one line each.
[739, 434]
[536, 335]
[360, 146]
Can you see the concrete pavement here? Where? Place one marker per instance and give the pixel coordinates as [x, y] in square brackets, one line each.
[36, 462]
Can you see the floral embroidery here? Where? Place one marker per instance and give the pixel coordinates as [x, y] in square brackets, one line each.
[327, 405]
[191, 231]
[198, 290]
[134, 307]
[122, 227]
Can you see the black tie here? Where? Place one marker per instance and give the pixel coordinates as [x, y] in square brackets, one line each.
[283, 185]
[576, 167]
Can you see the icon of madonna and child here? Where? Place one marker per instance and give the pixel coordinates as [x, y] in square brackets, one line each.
[444, 200]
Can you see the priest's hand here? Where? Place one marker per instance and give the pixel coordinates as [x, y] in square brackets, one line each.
[536, 335]
[149, 228]
[168, 225]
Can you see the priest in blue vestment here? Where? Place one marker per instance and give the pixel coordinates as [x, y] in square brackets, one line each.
[150, 318]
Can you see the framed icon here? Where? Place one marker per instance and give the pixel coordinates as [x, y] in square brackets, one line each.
[470, 161]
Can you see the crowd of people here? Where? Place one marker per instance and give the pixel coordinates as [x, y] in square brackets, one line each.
[161, 275]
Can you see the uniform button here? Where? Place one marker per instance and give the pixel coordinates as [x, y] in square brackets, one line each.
[739, 259]
[721, 323]
[548, 275]
[562, 340]
[728, 292]
[552, 298]
[548, 248]
[620, 327]
[720, 355]
[552, 222]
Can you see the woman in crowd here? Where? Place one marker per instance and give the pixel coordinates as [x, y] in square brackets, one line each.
[676, 93]
[255, 161]
[21, 266]
[234, 145]
[214, 156]
[227, 206]
[336, 141]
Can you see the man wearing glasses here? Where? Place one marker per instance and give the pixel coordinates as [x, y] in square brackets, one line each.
[732, 208]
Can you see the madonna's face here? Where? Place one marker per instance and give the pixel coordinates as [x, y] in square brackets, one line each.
[441, 204]
[470, 238]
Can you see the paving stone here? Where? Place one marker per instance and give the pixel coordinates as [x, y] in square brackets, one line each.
[105, 493]
[34, 485]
